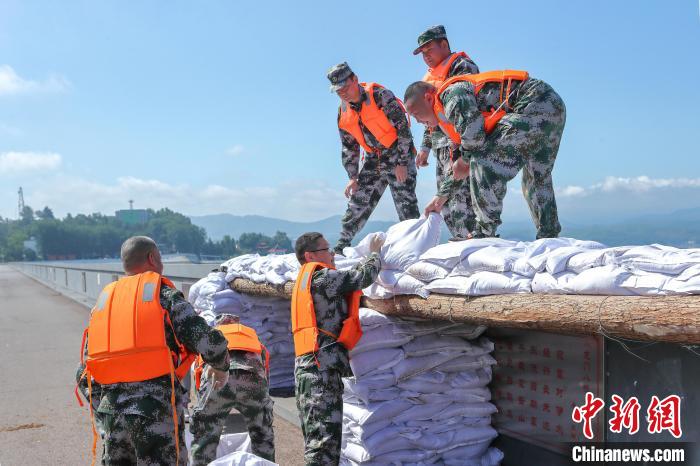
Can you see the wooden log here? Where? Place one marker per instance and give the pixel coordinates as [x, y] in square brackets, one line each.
[262, 289]
[674, 319]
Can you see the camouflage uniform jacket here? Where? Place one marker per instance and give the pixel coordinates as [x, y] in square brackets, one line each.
[192, 332]
[435, 138]
[329, 288]
[247, 361]
[399, 153]
[463, 110]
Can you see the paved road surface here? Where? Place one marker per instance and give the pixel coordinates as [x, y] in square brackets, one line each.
[40, 421]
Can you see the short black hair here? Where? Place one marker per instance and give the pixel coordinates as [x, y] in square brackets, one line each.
[135, 251]
[305, 243]
[416, 89]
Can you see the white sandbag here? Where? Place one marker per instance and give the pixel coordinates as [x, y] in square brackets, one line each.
[558, 260]
[467, 363]
[594, 258]
[407, 240]
[377, 338]
[481, 284]
[428, 344]
[546, 283]
[456, 395]
[411, 367]
[362, 249]
[364, 415]
[229, 443]
[449, 255]
[539, 251]
[646, 284]
[490, 259]
[241, 458]
[418, 328]
[466, 331]
[453, 410]
[388, 278]
[439, 382]
[605, 280]
[372, 362]
[371, 318]
[427, 271]
[357, 433]
[472, 455]
[657, 258]
[405, 458]
[377, 291]
[407, 285]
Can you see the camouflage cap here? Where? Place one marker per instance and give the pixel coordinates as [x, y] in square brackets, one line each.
[432, 33]
[338, 74]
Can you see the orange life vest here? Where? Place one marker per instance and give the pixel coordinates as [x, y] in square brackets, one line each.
[491, 117]
[304, 326]
[373, 118]
[436, 76]
[240, 338]
[126, 340]
[126, 334]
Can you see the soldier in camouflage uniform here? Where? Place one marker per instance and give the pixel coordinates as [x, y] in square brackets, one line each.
[392, 166]
[137, 417]
[435, 49]
[247, 392]
[318, 376]
[526, 137]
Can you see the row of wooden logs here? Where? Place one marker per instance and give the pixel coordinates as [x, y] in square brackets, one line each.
[674, 319]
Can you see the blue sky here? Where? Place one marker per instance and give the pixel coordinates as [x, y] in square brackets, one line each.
[215, 107]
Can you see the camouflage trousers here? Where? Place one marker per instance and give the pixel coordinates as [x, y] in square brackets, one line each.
[319, 395]
[247, 392]
[143, 438]
[373, 179]
[527, 139]
[457, 211]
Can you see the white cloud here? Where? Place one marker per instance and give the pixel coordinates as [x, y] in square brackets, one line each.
[13, 84]
[640, 184]
[304, 200]
[19, 162]
[235, 150]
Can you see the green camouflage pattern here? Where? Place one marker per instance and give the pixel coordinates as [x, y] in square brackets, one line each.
[338, 74]
[319, 395]
[526, 138]
[457, 211]
[373, 180]
[318, 376]
[435, 138]
[378, 170]
[329, 288]
[247, 392]
[137, 417]
[432, 33]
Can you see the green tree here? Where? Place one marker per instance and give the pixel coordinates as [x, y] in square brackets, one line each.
[281, 240]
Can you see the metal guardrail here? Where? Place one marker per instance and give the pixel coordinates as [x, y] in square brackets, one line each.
[85, 281]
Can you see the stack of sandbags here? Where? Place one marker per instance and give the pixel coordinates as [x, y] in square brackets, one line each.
[270, 317]
[403, 245]
[419, 395]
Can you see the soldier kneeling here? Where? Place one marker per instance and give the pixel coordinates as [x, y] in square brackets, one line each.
[246, 390]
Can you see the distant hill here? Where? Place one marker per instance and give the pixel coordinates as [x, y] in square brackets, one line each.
[678, 228]
[234, 225]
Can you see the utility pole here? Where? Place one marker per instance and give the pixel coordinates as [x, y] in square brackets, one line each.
[20, 203]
